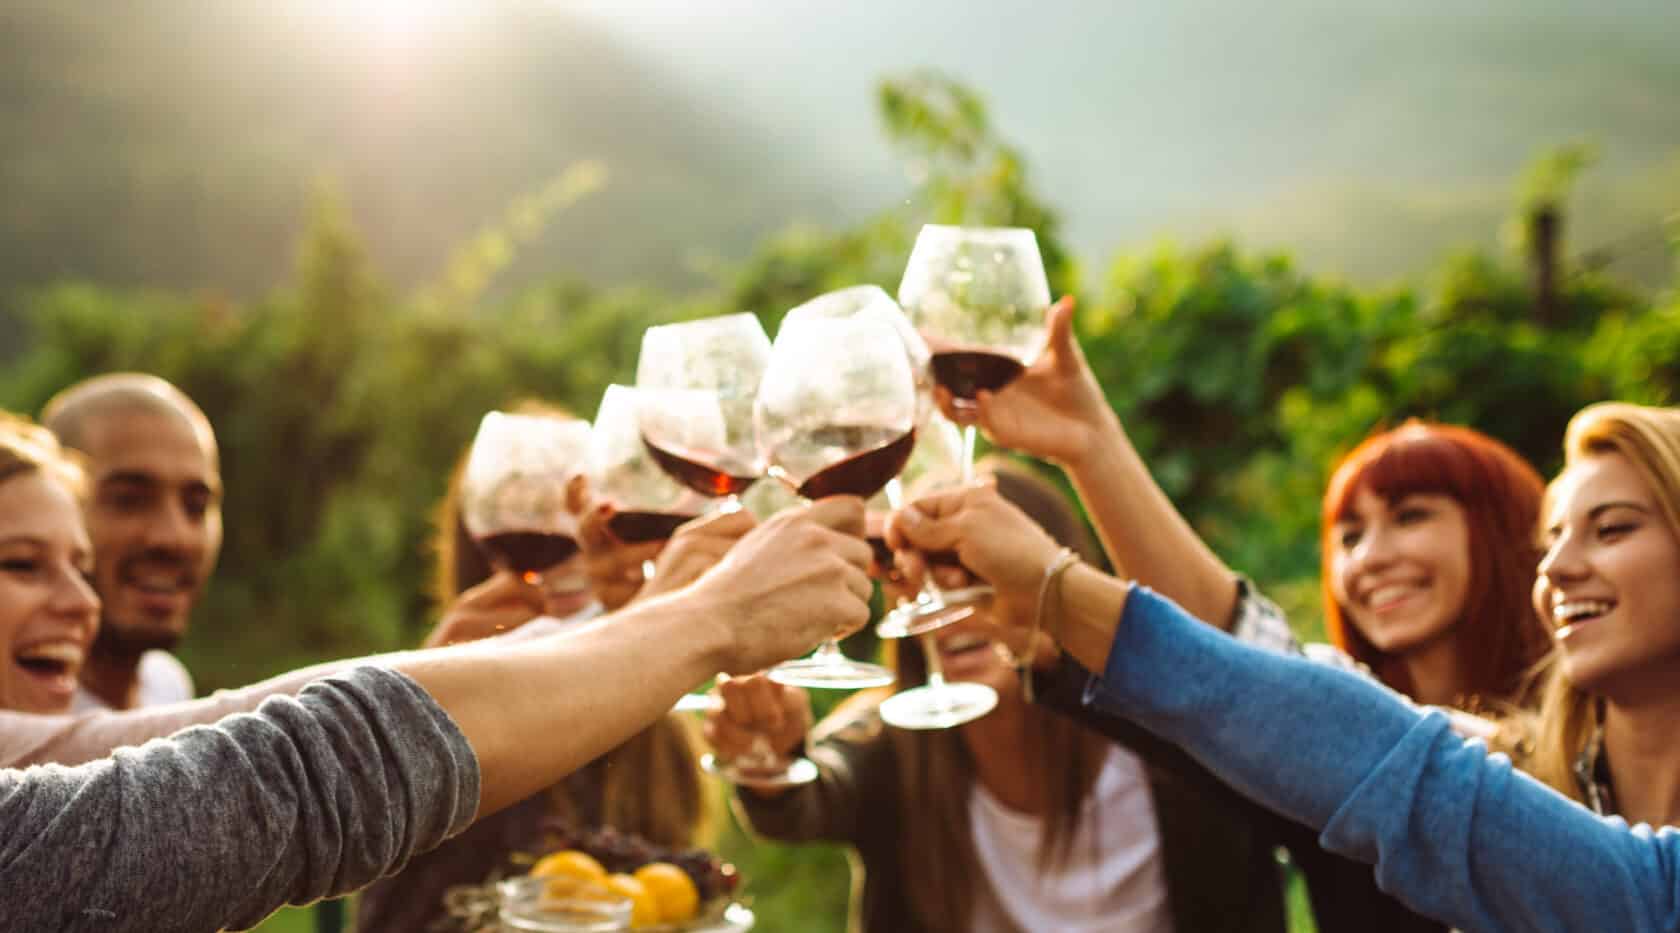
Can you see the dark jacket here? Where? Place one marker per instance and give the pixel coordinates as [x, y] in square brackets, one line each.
[1343, 892]
[1221, 874]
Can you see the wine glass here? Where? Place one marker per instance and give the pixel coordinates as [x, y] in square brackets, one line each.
[977, 296]
[513, 497]
[648, 505]
[940, 704]
[699, 379]
[836, 415]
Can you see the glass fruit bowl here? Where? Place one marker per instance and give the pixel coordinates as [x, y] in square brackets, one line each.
[560, 905]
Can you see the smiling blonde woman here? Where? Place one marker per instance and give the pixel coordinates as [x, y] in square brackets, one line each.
[1610, 581]
[48, 610]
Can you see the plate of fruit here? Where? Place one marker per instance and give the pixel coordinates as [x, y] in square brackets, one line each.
[606, 880]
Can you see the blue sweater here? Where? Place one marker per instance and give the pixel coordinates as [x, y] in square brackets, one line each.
[1453, 831]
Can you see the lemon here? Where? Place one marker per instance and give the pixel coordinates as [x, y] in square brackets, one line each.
[569, 863]
[672, 889]
[644, 910]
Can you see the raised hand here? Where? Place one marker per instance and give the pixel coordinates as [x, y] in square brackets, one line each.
[502, 603]
[789, 583]
[757, 710]
[615, 567]
[1054, 410]
[992, 538]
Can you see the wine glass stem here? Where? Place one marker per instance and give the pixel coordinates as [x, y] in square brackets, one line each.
[936, 671]
[829, 652]
[970, 433]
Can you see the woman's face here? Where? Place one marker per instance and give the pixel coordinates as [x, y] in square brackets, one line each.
[1610, 579]
[1401, 569]
[48, 610]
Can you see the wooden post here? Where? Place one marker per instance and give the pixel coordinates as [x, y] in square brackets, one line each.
[1544, 223]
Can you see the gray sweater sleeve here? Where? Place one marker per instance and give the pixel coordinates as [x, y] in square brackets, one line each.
[219, 825]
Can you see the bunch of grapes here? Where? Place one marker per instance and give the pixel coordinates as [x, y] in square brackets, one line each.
[619, 851]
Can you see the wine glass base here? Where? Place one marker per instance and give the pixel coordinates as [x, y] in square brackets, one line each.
[830, 674]
[938, 707]
[795, 772]
[923, 616]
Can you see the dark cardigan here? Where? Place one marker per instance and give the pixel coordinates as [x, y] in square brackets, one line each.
[1221, 874]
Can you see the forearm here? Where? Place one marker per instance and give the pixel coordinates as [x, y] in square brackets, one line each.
[219, 826]
[1455, 833]
[1142, 531]
[538, 710]
[27, 739]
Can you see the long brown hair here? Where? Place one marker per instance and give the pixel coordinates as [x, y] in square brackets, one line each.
[650, 785]
[1500, 639]
[1549, 744]
[936, 773]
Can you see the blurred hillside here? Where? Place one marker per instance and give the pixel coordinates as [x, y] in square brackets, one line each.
[173, 143]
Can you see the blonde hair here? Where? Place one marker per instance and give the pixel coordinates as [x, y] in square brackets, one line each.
[1649, 438]
[26, 448]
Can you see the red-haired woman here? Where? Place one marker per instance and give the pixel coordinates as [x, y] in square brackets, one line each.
[1426, 570]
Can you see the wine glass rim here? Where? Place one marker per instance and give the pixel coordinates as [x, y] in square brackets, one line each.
[979, 233]
[737, 316]
[867, 288]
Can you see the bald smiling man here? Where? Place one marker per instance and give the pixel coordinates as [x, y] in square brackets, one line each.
[155, 518]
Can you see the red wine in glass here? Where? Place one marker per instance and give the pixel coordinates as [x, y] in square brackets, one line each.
[528, 553]
[639, 527]
[966, 372]
[703, 478]
[862, 474]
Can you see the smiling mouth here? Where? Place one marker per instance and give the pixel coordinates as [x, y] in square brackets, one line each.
[158, 581]
[58, 659]
[962, 644]
[1389, 595]
[1569, 614]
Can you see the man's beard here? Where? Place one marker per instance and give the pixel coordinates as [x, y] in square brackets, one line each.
[113, 641]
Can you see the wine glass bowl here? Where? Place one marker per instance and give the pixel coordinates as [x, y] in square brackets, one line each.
[703, 434]
[836, 415]
[977, 295]
[514, 493]
[836, 412]
[648, 505]
[873, 300]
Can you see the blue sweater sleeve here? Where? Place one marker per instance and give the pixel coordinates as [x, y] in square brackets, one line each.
[1454, 832]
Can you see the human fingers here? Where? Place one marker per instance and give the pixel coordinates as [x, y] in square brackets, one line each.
[844, 514]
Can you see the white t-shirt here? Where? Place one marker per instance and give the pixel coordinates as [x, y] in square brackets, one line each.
[1113, 879]
[163, 680]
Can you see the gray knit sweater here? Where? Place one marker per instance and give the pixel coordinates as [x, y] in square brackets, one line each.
[217, 826]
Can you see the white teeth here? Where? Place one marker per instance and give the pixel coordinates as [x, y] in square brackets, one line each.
[960, 643]
[157, 582]
[1383, 595]
[1578, 609]
[63, 652]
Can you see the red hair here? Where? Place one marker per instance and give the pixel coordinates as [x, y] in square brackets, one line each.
[1500, 493]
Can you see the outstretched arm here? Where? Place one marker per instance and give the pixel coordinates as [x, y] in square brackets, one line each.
[316, 796]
